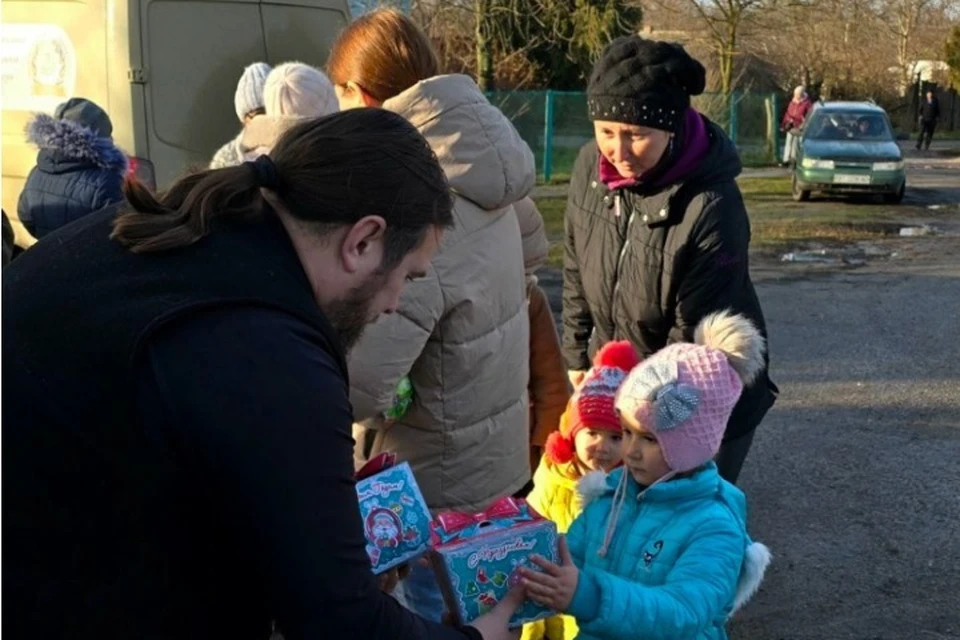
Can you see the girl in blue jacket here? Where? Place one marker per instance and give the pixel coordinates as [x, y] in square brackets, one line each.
[661, 550]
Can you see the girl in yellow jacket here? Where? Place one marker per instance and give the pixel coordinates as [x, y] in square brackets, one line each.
[588, 439]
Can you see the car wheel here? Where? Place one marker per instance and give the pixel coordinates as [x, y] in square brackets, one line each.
[896, 198]
[799, 195]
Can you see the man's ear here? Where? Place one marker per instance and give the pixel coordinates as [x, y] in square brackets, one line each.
[361, 250]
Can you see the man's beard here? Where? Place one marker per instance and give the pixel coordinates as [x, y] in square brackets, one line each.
[351, 314]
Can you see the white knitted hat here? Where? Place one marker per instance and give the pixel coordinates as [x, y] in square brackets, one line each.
[249, 95]
[299, 90]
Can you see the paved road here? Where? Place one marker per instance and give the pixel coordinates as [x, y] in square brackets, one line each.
[854, 479]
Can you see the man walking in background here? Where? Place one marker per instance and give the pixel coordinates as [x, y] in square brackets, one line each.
[929, 115]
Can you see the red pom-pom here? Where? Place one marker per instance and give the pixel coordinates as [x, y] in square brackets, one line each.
[559, 449]
[620, 354]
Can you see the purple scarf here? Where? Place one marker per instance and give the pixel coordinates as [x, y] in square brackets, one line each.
[696, 145]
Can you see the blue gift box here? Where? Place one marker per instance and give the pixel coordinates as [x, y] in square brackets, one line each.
[477, 557]
[396, 520]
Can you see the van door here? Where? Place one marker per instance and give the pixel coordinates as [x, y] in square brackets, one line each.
[302, 30]
[193, 55]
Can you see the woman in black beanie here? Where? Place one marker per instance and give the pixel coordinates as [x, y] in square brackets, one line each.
[657, 235]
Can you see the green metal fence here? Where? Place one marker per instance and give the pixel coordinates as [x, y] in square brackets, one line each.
[555, 124]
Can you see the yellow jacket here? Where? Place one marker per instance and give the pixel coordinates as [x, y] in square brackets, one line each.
[555, 497]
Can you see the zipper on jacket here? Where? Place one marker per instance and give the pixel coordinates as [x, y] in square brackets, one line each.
[623, 253]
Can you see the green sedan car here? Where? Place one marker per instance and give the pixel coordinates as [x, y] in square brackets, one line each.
[849, 147]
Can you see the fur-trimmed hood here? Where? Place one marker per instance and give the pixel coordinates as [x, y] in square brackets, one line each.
[756, 557]
[71, 141]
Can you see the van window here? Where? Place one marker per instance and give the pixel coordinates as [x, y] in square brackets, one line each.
[304, 34]
[195, 52]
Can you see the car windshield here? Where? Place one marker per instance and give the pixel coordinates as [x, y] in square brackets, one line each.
[849, 126]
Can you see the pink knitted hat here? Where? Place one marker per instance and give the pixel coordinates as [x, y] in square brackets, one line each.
[684, 393]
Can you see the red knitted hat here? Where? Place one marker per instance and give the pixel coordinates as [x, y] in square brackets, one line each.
[592, 404]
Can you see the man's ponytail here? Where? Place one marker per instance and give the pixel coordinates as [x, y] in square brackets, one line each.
[186, 212]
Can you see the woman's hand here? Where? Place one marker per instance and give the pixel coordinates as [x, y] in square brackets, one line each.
[554, 588]
[576, 378]
[493, 625]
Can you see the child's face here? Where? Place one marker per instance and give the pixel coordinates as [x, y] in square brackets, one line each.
[597, 449]
[641, 453]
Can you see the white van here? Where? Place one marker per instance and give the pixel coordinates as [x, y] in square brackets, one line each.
[164, 70]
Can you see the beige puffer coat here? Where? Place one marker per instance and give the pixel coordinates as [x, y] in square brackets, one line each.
[462, 332]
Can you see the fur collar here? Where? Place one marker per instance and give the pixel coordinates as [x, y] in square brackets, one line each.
[75, 142]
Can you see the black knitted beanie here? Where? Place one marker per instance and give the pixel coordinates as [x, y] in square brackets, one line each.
[644, 82]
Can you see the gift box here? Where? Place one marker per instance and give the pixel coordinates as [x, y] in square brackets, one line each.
[396, 520]
[477, 557]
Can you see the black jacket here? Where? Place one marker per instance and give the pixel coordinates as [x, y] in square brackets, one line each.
[929, 111]
[177, 450]
[672, 256]
[8, 240]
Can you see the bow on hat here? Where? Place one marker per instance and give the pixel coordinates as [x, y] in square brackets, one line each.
[671, 402]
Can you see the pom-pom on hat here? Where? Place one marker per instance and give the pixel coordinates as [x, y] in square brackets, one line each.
[592, 404]
[684, 394]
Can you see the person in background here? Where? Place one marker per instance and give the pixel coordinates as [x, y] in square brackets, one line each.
[177, 452]
[588, 439]
[293, 91]
[929, 116]
[661, 549]
[248, 102]
[549, 389]
[79, 169]
[792, 123]
[461, 331]
[657, 235]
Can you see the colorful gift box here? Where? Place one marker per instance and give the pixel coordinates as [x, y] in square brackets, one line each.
[396, 520]
[477, 557]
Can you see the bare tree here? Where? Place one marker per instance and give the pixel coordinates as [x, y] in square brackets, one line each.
[904, 19]
[725, 21]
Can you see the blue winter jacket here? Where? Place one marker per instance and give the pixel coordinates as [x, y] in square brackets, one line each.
[77, 173]
[679, 563]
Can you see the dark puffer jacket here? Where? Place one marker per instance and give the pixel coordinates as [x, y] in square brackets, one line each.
[77, 172]
[672, 256]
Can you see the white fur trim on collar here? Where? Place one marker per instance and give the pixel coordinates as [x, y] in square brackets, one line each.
[755, 563]
[592, 486]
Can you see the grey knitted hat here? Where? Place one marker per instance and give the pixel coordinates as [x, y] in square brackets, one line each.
[249, 95]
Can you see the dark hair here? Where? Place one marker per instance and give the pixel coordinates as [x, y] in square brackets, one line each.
[327, 172]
